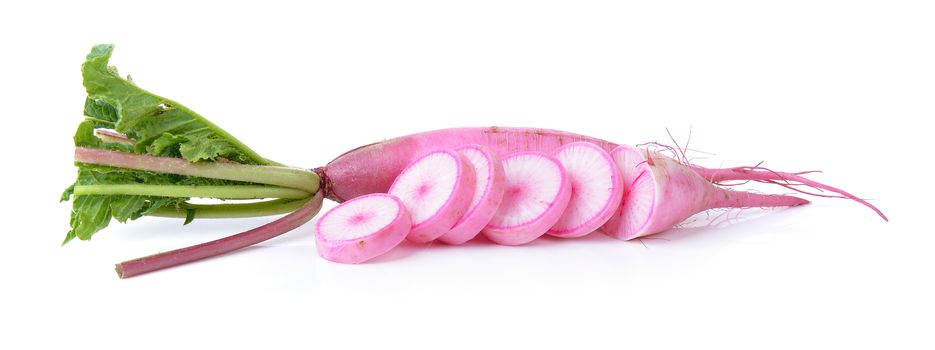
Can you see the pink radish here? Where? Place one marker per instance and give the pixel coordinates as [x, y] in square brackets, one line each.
[437, 190]
[362, 228]
[488, 192]
[596, 189]
[537, 193]
[663, 192]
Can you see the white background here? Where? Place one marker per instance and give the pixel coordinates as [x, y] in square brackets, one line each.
[842, 86]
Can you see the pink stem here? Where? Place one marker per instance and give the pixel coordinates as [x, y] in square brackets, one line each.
[224, 245]
[764, 175]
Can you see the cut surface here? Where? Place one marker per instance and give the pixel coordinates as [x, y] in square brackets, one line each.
[482, 172]
[532, 184]
[358, 218]
[596, 192]
[362, 228]
[639, 194]
[487, 194]
[426, 185]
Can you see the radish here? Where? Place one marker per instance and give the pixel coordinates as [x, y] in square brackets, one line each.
[662, 192]
[139, 154]
[437, 190]
[596, 189]
[362, 228]
[488, 192]
[537, 193]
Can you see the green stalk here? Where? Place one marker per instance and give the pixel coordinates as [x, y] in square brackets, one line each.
[296, 178]
[233, 210]
[221, 192]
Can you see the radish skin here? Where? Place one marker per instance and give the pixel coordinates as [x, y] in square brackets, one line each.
[436, 190]
[537, 192]
[597, 189]
[373, 168]
[488, 192]
[362, 228]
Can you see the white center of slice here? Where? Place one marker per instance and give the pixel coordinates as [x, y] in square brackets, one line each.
[359, 218]
[426, 185]
[532, 183]
[592, 185]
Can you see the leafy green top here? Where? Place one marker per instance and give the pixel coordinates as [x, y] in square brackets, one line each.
[153, 125]
[159, 126]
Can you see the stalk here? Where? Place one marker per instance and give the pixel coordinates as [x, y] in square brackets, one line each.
[302, 179]
[224, 245]
[221, 192]
[235, 210]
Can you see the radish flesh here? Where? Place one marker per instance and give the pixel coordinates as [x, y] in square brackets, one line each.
[436, 190]
[537, 193]
[362, 228]
[596, 189]
[488, 192]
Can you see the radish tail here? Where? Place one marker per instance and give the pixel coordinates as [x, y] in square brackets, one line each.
[787, 180]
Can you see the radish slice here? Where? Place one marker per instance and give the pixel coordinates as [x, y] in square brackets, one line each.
[596, 189]
[437, 191]
[639, 194]
[362, 228]
[488, 192]
[537, 192]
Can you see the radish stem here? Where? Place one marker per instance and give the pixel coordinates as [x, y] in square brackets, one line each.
[235, 210]
[265, 174]
[244, 239]
[221, 192]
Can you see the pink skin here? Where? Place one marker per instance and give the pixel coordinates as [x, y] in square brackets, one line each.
[418, 183]
[357, 214]
[663, 192]
[519, 195]
[488, 192]
[578, 158]
[372, 168]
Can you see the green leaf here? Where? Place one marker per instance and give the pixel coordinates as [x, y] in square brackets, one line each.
[158, 125]
[189, 216]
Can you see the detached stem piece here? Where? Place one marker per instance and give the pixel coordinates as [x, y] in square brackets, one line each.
[224, 245]
[265, 174]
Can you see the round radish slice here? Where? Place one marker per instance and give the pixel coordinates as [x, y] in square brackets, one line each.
[639, 194]
[488, 191]
[437, 191]
[596, 189]
[537, 192]
[362, 228]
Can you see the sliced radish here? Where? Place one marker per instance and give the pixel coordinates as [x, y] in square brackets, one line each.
[596, 189]
[488, 192]
[639, 194]
[437, 190]
[537, 192]
[362, 228]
